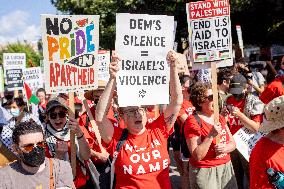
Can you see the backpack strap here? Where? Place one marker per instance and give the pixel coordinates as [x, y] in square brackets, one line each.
[51, 178]
[198, 119]
[119, 145]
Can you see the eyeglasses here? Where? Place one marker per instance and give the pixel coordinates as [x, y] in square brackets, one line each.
[30, 147]
[210, 97]
[131, 112]
[54, 115]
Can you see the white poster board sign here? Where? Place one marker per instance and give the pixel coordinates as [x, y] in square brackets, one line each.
[33, 77]
[246, 140]
[14, 60]
[209, 30]
[103, 60]
[70, 44]
[143, 41]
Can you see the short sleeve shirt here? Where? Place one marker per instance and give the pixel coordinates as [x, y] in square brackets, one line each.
[266, 154]
[193, 129]
[14, 176]
[234, 123]
[143, 161]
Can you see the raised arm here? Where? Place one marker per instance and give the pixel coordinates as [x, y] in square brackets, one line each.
[104, 124]
[172, 110]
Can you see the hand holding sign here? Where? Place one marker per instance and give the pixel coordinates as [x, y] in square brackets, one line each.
[113, 66]
[172, 58]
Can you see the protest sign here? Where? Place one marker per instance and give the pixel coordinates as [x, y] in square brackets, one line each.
[103, 60]
[70, 44]
[33, 77]
[209, 30]
[14, 60]
[14, 79]
[143, 41]
[276, 50]
[246, 140]
[240, 38]
[1, 80]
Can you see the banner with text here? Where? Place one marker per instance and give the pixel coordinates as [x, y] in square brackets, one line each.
[143, 41]
[14, 79]
[103, 60]
[209, 28]
[70, 44]
[33, 77]
[246, 140]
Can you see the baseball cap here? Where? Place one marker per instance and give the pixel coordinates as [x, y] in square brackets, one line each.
[54, 102]
[237, 84]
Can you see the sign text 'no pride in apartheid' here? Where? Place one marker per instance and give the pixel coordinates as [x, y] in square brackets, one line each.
[210, 30]
[143, 41]
[70, 44]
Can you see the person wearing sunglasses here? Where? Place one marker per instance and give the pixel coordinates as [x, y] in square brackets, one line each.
[209, 144]
[143, 161]
[33, 169]
[58, 128]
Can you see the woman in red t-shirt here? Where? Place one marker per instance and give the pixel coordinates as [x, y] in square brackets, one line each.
[57, 134]
[209, 144]
[269, 150]
[143, 161]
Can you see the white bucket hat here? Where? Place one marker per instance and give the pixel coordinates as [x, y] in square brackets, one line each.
[274, 115]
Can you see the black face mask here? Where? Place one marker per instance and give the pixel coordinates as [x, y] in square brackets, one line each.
[239, 97]
[35, 157]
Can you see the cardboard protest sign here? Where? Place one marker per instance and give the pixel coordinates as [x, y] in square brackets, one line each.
[246, 140]
[143, 41]
[103, 60]
[70, 44]
[209, 30]
[14, 79]
[33, 77]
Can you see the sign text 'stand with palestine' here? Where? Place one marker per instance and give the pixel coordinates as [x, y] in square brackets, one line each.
[143, 41]
[210, 30]
[70, 44]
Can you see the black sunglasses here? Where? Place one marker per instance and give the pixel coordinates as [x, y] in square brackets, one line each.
[210, 97]
[54, 115]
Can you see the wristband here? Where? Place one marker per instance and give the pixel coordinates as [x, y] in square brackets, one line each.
[80, 136]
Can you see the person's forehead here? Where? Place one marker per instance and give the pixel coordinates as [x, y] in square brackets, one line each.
[130, 108]
[30, 138]
[58, 108]
[40, 93]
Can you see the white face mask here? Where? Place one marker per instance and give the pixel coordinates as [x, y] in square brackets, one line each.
[15, 112]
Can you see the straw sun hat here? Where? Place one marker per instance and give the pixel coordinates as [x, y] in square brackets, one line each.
[274, 115]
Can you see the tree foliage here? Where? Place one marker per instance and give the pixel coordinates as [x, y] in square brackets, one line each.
[32, 57]
[260, 19]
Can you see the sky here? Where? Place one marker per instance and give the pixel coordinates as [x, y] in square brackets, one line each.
[20, 19]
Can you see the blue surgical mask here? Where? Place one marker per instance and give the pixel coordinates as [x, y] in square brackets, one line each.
[15, 112]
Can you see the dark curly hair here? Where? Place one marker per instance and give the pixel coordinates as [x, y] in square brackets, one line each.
[224, 74]
[198, 94]
[25, 128]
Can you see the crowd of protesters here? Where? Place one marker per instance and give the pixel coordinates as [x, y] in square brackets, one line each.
[128, 147]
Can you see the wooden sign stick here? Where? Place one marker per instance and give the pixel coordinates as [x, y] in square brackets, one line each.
[72, 134]
[94, 125]
[215, 96]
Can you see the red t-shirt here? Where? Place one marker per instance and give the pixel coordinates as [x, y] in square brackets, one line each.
[82, 122]
[186, 108]
[266, 154]
[234, 122]
[192, 129]
[143, 161]
[81, 179]
[273, 90]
